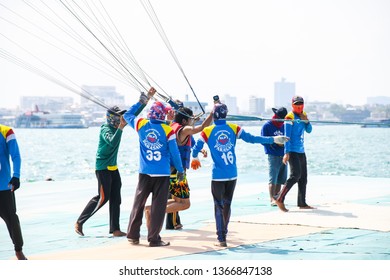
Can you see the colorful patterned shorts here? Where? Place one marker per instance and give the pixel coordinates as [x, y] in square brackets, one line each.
[180, 190]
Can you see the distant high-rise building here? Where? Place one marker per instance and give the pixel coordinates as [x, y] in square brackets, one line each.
[283, 93]
[231, 103]
[256, 105]
[106, 94]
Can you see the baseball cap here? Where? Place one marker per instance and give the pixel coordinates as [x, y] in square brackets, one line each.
[281, 112]
[297, 99]
[116, 111]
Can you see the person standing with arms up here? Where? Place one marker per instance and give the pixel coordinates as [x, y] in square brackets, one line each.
[184, 129]
[158, 146]
[8, 185]
[295, 126]
[221, 139]
[277, 170]
[172, 219]
[182, 123]
[107, 173]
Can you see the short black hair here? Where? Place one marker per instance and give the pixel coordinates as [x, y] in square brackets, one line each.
[184, 113]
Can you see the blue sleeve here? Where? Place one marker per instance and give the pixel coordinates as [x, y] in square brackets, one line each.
[249, 138]
[15, 156]
[131, 114]
[265, 132]
[175, 155]
[287, 133]
[197, 147]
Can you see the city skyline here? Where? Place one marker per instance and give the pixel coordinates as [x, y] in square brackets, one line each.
[334, 51]
[29, 102]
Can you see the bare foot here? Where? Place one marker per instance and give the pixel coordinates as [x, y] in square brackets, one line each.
[281, 206]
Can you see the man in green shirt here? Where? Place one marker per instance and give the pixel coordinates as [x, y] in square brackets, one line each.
[107, 173]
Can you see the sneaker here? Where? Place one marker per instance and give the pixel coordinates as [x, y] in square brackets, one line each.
[133, 241]
[159, 244]
[118, 233]
[221, 244]
[79, 229]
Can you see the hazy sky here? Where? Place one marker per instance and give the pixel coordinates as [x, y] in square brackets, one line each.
[334, 50]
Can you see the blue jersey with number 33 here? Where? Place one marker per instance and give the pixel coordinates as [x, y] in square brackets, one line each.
[157, 145]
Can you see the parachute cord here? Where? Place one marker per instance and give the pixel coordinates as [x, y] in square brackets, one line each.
[116, 42]
[103, 45]
[153, 17]
[32, 67]
[78, 39]
[99, 25]
[19, 62]
[107, 19]
[125, 46]
[99, 67]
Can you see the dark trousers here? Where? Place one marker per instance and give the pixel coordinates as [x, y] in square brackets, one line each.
[158, 187]
[109, 189]
[222, 192]
[298, 174]
[11, 219]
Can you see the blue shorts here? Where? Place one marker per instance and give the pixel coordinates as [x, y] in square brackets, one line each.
[277, 170]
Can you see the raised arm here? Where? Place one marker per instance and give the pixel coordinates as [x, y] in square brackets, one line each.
[191, 130]
[137, 108]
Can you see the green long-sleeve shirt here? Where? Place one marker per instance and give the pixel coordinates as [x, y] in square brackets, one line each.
[107, 152]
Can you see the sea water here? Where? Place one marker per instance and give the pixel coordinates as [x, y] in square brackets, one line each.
[68, 154]
[58, 179]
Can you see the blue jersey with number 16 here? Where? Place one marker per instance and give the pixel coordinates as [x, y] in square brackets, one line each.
[221, 140]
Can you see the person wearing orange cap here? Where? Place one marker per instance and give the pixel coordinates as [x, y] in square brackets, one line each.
[295, 125]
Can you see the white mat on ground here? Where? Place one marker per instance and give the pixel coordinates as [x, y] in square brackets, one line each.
[337, 215]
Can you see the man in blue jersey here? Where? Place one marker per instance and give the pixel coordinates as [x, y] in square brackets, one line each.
[8, 185]
[157, 142]
[295, 125]
[221, 139]
[277, 170]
